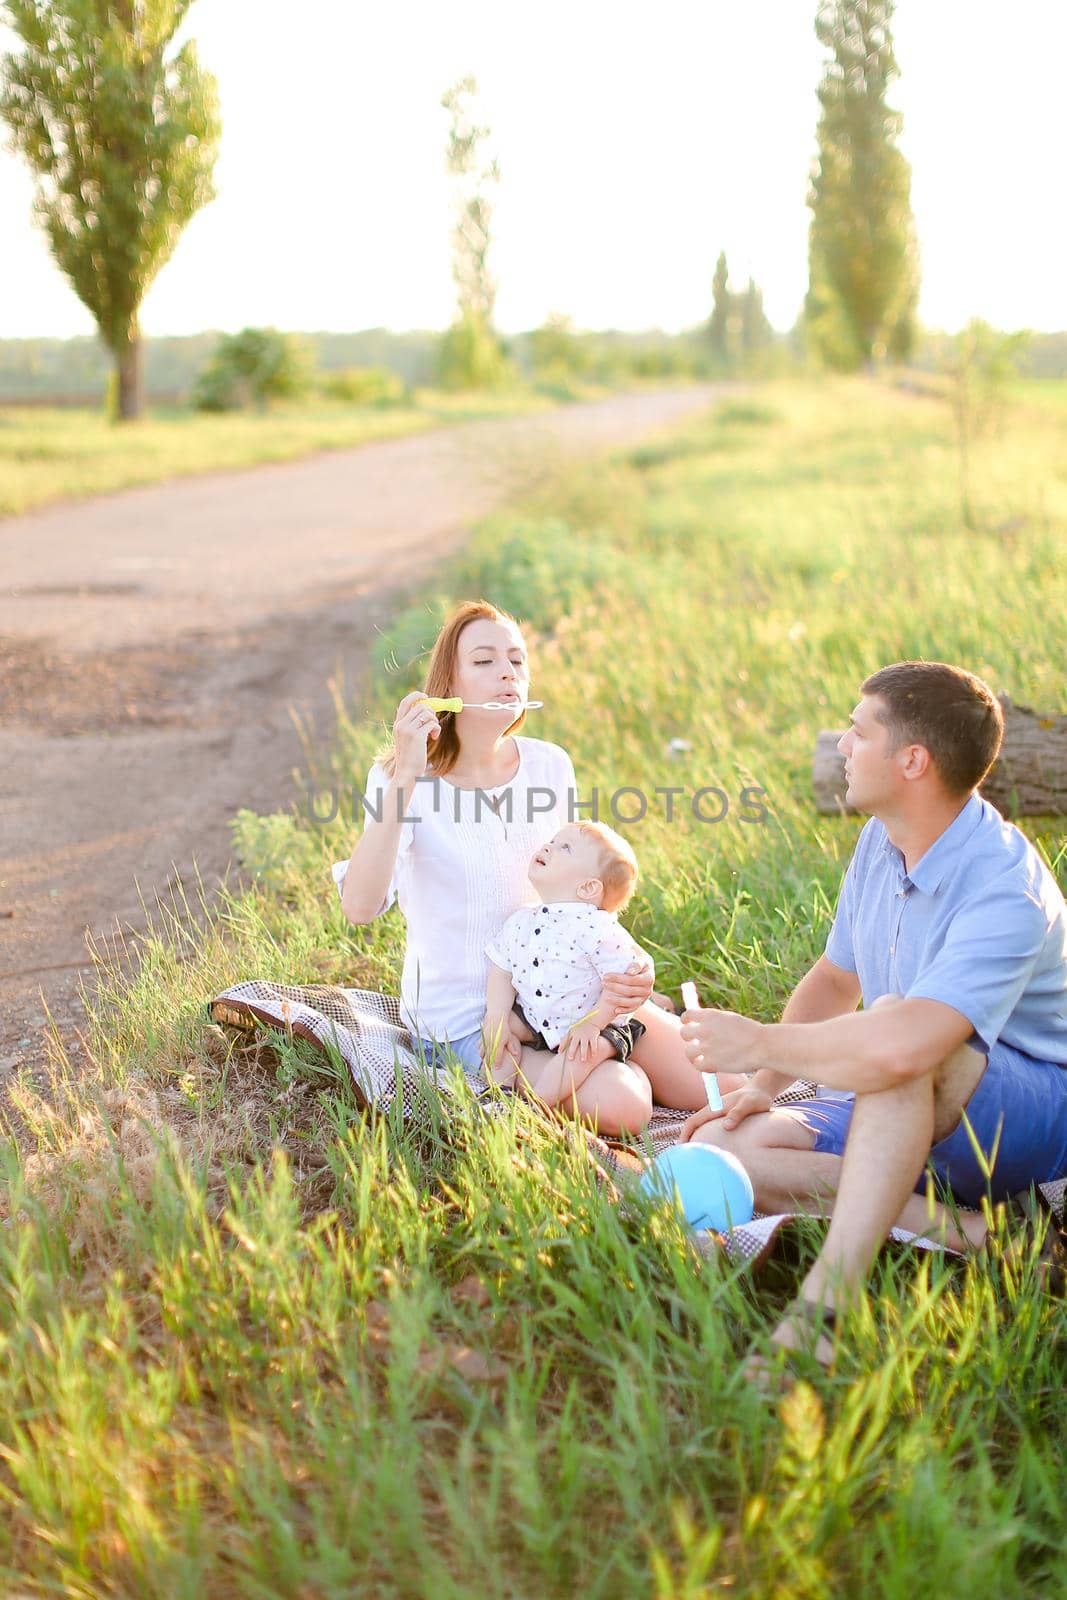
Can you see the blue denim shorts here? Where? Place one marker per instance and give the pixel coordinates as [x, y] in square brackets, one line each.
[1017, 1114]
[436, 1052]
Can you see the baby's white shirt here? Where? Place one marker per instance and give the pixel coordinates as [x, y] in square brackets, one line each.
[558, 956]
[461, 870]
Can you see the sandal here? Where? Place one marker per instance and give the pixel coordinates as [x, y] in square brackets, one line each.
[1030, 1211]
[816, 1323]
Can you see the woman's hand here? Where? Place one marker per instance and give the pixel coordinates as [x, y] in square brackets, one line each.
[625, 991]
[413, 727]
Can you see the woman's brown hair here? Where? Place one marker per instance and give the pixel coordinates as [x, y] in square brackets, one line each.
[442, 753]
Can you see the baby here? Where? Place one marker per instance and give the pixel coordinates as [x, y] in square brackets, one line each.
[547, 966]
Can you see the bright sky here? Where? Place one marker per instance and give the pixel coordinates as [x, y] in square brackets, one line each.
[634, 142]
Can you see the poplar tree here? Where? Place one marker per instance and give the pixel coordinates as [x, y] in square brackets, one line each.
[755, 329]
[862, 257]
[721, 311]
[471, 355]
[121, 132]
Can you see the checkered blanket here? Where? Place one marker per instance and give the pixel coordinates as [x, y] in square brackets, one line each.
[366, 1030]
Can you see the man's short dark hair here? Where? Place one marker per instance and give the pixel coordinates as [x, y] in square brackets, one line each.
[952, 713]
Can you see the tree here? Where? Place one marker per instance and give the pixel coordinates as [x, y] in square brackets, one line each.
[737, 330]
[862, 256]
[122, 135]
[471, 353]
[755, 329]
[721, 308]
[471, 356]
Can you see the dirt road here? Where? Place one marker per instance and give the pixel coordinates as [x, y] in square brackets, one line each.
[152, 644]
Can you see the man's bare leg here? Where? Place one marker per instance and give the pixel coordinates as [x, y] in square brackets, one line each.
[787, 1173]
[888, 1142]
[889, 1138]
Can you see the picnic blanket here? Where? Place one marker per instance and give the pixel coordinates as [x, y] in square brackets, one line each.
[366, 1030]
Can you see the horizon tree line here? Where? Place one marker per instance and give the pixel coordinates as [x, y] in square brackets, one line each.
[122, 132]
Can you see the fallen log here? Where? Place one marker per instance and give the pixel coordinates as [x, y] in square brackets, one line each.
[1028, 778]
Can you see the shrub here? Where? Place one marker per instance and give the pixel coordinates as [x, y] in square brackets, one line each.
[747, 413]
[252, 367]
[365, 386]
[538, 567]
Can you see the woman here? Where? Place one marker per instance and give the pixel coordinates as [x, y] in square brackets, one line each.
[456, 812]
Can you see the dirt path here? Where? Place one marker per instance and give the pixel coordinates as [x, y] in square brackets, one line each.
[152, 643]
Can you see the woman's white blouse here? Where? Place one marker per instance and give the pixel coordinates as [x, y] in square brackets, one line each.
[461, 870]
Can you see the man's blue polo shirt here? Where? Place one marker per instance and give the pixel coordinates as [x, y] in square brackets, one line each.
[979, 923]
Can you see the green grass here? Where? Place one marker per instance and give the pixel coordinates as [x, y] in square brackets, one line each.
[256, 1346]
[52, 453]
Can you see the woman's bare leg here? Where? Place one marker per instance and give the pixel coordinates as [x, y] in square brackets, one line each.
[660, 1052]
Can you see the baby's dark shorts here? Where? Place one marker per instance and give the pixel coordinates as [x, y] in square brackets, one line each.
[622, 1036]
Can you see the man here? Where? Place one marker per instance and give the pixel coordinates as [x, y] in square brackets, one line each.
[953, 931]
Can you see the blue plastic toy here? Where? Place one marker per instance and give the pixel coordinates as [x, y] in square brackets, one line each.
[710, 1187]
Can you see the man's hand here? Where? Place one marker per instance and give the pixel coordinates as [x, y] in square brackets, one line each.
[625, 991]
[736, 1106]
[581, 1041]
[722, 1041]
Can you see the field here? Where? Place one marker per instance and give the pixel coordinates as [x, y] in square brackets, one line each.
[257, 1346]
[51, 453]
